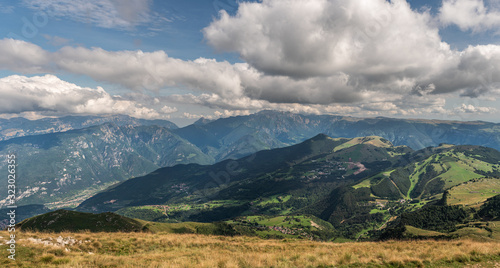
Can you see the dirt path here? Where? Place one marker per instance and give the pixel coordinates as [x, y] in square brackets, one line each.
[313, 224]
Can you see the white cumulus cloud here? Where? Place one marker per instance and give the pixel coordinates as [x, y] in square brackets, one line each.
[300, 38]
[168, 110]
[317, 56]
[472, 15]
[319, 51]
[49, 94]
[24, 57]
[469, 108]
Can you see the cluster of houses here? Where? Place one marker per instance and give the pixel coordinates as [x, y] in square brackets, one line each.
[163, 208]
[281, 229]
[181, 187]
[331, 166]
[289, 231]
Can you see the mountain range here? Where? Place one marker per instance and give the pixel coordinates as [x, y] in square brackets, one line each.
[241, 135]
[268, 174]
[124, 147]
[319, 164]
[20, 127]
[351, 183]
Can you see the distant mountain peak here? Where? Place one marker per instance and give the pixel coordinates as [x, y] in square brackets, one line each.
[320, 136]
[445, 145]
[202, 121]
[273, 112]
[369, 140]
[376, 140]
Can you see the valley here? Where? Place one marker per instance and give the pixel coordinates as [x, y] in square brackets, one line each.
[322, 189]
[250, 133]
[135, 147]
[358, 186]
[65, 165]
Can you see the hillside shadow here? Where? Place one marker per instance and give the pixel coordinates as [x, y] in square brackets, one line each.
[44, 141]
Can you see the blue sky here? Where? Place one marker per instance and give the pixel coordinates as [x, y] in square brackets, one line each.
[182, 60]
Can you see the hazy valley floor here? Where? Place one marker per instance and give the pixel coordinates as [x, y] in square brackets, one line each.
[188, 250]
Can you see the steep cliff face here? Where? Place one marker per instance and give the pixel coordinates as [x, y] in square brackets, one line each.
[61, 169]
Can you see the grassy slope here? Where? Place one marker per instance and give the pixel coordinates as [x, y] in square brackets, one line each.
[462, 170]
[475, 192]
[373, 180]
[414, 231]
[64, 220]
[294, 221]
[373, 140]
[495, 227]
[453, 168]
[414, 177]
[188, 250]
[478, 231]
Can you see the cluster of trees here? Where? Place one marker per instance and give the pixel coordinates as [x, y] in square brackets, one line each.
[427, 183]
[485, 154]
[436, 218]
[491, 209]
[386, 189]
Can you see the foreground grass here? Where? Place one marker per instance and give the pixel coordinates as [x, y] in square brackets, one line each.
[189, 250]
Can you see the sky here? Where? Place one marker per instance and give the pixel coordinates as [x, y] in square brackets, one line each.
[183, 60]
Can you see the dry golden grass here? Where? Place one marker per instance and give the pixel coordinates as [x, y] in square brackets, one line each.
[188, 250]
